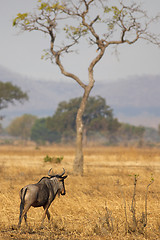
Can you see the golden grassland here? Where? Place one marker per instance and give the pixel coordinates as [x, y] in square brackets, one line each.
[81, 213]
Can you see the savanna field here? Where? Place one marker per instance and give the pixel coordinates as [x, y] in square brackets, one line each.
[96, 206]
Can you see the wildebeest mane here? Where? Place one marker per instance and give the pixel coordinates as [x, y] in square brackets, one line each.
[43, 178]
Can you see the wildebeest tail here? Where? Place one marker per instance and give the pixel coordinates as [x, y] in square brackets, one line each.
[22, 195]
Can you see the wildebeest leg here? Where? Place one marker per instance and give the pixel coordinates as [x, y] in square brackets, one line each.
[48, 214]
[23, 213]
[20, 215]
[25, 218]
[44, 214]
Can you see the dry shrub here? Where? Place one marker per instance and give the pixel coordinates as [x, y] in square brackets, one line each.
[53, 159]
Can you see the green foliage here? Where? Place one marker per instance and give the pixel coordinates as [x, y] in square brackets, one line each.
[21, 17]
[48, 6]
[97, 117]
[45, 8]
[115, 15]
[10, 93]
[128, 131]
[74, 31]
[48, 159]
[152, 178]
[21, 126]
[56, 160]
[40, 133]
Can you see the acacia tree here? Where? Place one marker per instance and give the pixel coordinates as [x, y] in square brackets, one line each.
[98, 116]
[100, 23]
[10, 93]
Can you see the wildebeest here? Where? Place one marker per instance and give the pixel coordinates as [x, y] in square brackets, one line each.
[41, 194]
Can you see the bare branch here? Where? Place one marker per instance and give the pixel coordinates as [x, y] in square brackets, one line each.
[94, 20]
[146, 198]
[67, 74]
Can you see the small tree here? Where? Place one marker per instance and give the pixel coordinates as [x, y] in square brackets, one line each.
[10, 93]
[21, 126]
[102, 25]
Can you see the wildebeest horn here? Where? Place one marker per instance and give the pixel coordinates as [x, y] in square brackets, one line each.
[49, 172]
[59, 176]
[62, 173]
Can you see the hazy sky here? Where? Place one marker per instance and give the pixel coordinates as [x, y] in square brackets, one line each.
[21, 53]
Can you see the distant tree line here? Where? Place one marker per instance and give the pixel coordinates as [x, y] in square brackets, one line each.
[100, 125]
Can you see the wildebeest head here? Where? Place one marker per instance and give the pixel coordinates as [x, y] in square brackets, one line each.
[60, 178]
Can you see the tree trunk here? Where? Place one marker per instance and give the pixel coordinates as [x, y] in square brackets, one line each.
[78, 161]
[84, 136]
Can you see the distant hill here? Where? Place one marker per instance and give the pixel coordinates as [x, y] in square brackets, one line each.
[135, 100]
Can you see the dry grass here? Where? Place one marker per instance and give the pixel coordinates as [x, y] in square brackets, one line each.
[81, 213]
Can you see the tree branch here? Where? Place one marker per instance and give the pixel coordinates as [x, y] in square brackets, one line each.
[67, 74]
